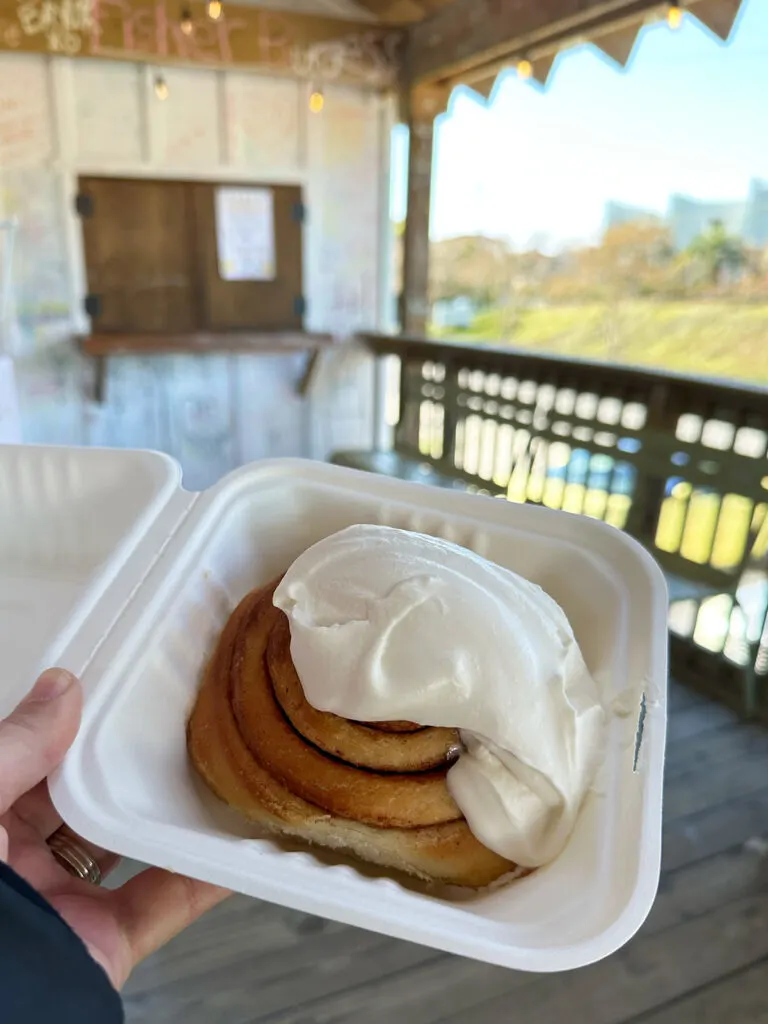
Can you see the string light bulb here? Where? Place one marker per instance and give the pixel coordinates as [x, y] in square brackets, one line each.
[316, 101]
[675, 14]
[524, 69]
[161, 88]
[185, 22]
[214, 9]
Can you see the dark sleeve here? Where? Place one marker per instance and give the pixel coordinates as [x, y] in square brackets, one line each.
[47, 975]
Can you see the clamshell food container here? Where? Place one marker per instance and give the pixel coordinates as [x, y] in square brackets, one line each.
[110, 568]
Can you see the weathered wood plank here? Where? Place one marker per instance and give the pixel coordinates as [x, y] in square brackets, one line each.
[224, 978]
[741, 999]
[682, 697]
[707, 884]
[693, 791]
[251, 962]
[241, 930]
[696, 720]
[708, 750]
[649, 972]
[441, 988]
[696, 836]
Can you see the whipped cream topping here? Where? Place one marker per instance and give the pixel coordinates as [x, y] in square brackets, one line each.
[391, 625]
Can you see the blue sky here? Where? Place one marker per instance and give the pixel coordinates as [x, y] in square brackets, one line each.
[688, 115]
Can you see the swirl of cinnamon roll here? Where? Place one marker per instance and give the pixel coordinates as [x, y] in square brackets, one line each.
[375, 790]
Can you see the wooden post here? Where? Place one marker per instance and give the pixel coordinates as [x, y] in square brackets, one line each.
[424, 103]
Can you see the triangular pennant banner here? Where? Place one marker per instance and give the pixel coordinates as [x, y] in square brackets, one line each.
[484, 86]
[717, 15]
[618, 45]
[542, 67]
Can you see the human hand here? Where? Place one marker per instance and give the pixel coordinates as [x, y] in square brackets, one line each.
[119, 927]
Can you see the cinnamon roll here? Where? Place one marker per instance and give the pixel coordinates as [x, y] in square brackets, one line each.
[376, 790]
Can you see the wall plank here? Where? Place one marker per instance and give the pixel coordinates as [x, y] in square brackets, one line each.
[345, 142]
[41, 293]
[108, 99]
[184, 128]
[262, 123]
[26, 131]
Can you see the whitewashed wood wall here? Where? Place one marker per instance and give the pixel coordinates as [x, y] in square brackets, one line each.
[60, 118]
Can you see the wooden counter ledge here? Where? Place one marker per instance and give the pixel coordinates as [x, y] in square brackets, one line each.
[105, 345]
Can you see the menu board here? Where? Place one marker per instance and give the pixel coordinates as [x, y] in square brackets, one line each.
[245, 234]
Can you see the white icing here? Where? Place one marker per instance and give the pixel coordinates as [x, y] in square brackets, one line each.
[387, 624]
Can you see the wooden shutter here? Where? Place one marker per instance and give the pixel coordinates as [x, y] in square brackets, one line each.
[152, 263]
[139, 244]
[275, 305]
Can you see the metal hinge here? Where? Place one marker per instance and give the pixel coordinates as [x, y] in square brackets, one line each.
[299, 212]
[300, 306]
[92, 305]
[84, 204]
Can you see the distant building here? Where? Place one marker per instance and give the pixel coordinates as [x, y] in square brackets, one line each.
[687, 218]
[690, 218]
[623, 213]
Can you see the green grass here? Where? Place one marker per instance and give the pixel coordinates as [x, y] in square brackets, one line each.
[706, 338]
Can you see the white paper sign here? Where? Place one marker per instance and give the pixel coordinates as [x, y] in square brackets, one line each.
[245, 234]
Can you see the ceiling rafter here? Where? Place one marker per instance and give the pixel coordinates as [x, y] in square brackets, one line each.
[402, 12]
[612, 27]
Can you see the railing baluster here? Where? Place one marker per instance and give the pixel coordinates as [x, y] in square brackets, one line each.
[494, 425]
[407, 430]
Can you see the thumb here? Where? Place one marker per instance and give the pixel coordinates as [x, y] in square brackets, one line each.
[36, 736]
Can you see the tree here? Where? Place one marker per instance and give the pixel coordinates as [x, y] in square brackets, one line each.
[633, 259]
[471, 266]
[718, 252]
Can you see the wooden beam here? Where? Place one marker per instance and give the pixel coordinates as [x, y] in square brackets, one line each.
[318, 48]
[542, 68]
[395, 12]
[423, 105]
[470, 34]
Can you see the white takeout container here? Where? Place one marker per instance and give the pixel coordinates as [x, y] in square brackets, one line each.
[108, 567]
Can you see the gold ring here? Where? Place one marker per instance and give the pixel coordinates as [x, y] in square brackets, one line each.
[74, 857]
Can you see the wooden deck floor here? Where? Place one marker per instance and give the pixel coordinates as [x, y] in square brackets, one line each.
[701, 957]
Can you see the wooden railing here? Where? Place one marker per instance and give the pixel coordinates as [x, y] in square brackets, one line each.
[680, 463]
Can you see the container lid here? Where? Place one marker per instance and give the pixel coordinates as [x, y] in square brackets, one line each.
[69, 520]
[152, 578]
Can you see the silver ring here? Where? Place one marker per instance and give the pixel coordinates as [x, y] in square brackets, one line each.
[74, 857]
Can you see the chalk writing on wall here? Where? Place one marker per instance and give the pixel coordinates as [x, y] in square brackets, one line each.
[61, 23]
[25, 119]
[148, 30]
